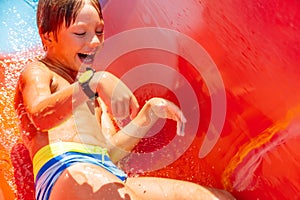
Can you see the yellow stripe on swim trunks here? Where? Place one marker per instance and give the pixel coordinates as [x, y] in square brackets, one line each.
[55, 149]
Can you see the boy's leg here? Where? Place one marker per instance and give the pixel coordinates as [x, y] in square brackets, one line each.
[163, 189]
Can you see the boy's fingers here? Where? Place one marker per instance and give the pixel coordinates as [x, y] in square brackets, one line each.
[134, 106]
[180, 128]
[182, 118]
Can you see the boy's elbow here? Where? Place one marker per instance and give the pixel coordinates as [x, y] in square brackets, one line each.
[40, 118]
[41, 124]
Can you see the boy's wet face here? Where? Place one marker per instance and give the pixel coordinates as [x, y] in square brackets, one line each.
[76, 45]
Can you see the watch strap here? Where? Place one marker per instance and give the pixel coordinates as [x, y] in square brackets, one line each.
[85, 85]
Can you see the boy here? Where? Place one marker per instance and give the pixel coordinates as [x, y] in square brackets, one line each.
[66, 123]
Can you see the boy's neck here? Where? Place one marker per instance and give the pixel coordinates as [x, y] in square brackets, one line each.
[67, 73]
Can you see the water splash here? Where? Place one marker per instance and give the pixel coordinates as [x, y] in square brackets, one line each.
[19, 46]
[18, 26]
[10, 139]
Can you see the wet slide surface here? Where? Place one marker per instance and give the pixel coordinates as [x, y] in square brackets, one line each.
[233, 68]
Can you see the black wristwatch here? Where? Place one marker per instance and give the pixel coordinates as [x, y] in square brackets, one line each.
[84, 80]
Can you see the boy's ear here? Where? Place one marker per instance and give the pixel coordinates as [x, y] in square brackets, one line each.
[48, 38]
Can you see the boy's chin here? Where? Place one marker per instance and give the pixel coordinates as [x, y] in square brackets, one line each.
[84, 65]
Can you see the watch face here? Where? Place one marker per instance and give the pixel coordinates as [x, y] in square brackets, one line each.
[86, 76]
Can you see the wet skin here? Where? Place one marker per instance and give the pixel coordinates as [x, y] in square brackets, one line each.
[52, 108]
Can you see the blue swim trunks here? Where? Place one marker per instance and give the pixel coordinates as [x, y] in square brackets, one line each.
[50, 161]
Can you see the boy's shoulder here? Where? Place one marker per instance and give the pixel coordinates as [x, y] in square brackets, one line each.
[34, 69]
[35, 66]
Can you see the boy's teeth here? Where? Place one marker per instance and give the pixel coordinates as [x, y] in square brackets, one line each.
[86, 57]
[89, 54]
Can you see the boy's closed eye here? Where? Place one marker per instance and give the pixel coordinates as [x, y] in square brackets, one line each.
[80, 34]
[100, 32]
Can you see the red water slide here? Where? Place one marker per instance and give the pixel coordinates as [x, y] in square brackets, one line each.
[232, 66]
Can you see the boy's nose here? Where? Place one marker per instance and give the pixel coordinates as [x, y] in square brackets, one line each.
[96, 41]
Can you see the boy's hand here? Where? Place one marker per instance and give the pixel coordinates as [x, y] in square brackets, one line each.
[117, 96]
[165, 109]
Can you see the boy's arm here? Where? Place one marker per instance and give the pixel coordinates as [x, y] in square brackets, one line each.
[46, 108]
[118, 98]
[126, 139]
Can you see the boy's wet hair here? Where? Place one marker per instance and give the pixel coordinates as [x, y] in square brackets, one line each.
[52, 14]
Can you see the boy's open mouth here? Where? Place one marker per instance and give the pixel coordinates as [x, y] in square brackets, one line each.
[86, 58]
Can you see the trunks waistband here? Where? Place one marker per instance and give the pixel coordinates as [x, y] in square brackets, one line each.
[50, 151]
